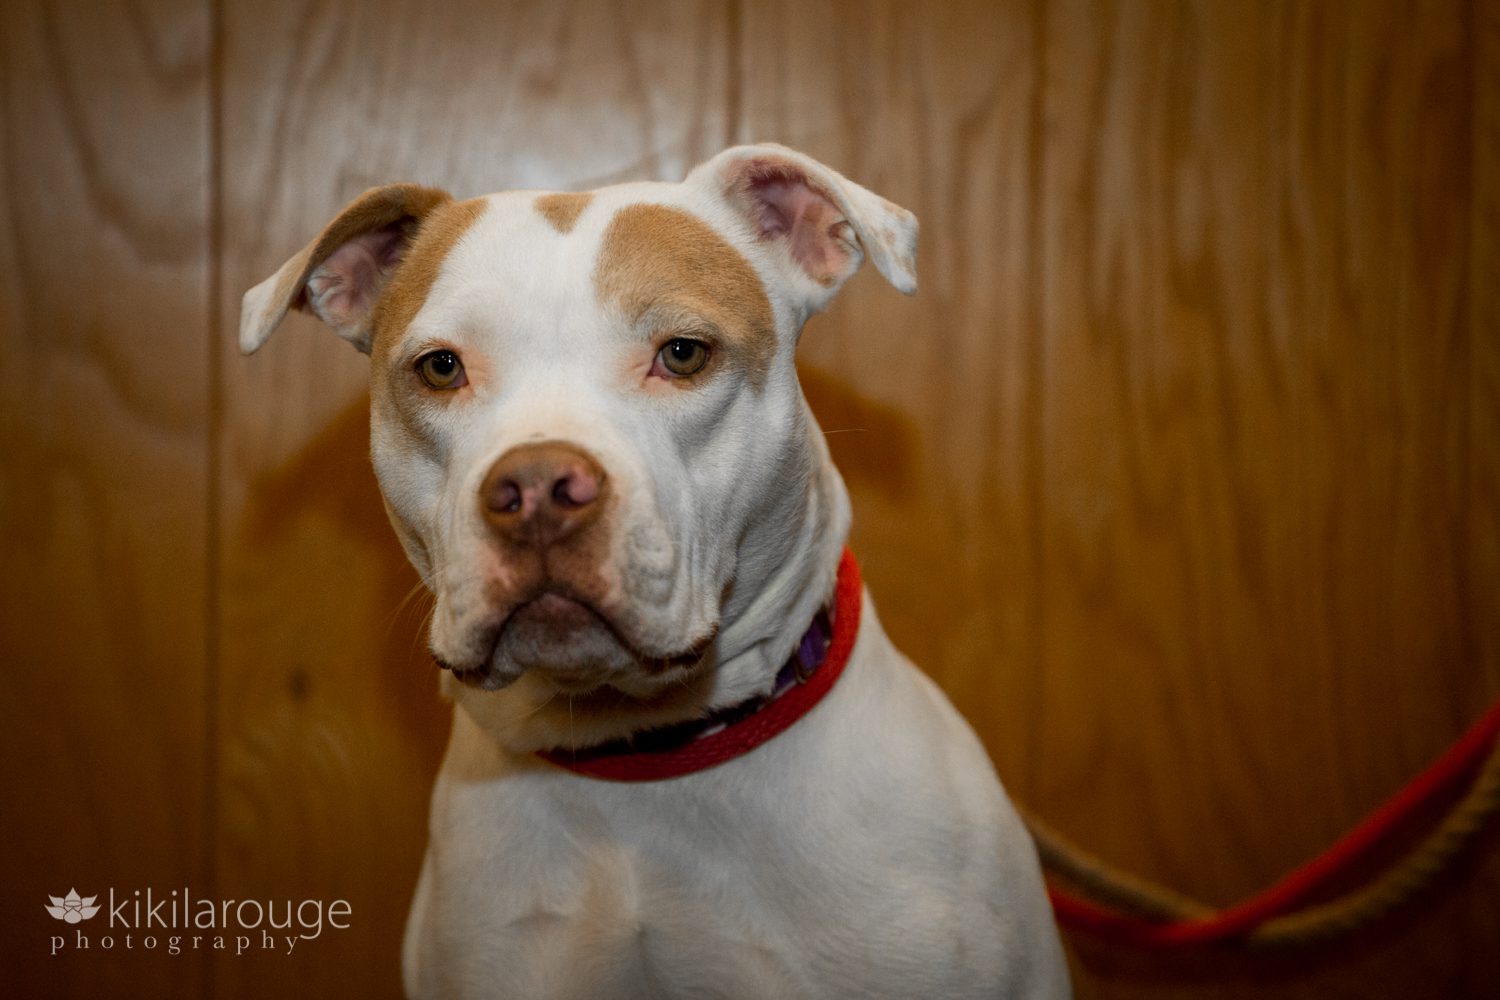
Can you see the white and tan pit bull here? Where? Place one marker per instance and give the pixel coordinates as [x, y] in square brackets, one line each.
[680, 767]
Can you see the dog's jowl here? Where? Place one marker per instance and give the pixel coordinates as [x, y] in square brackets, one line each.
[685, 761]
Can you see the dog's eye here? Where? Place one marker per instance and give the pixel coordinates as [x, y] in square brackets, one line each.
[682, 357]
[442, 370]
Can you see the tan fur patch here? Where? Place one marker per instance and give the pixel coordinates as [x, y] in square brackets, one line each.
[407, 291]
[658, 256]
[563, 210]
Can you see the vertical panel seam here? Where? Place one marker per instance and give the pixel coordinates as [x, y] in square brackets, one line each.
[1036, 181]
[213, 492]
[1475, 33]
[734, 114]
[1483, 24]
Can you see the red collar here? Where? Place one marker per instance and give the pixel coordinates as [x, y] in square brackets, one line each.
[618, 761]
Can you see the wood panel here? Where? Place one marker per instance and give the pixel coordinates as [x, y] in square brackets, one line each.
[331, 719]
[104, 389]
[930, 403]
[1256, 225]
[1180, 473]
[1189, 520]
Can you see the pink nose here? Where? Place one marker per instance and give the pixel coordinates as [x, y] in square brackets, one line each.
[538, 494]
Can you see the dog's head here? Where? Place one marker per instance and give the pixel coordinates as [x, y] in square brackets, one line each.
[586, 421]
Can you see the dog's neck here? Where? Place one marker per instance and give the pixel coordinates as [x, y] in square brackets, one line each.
[787, 563]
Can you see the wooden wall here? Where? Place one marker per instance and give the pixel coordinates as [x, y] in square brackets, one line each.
[1181, 473]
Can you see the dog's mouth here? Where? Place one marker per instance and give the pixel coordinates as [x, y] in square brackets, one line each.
[572, 642]
[554, 610]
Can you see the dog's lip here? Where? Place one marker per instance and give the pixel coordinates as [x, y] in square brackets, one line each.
[562, 603]
[555, 602]
[556, 607]
[689, 657]
[483, 677]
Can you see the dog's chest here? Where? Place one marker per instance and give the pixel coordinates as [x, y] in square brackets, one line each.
[568, 896]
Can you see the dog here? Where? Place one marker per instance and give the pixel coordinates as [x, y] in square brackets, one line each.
[685, 760]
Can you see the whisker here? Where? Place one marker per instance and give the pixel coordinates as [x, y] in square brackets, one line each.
[417, 588]
[423, 628]
[414, 594]
[550, 699]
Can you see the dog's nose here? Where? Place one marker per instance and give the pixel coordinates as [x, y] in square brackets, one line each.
[538, 494]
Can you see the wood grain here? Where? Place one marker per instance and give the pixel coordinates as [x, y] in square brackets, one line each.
[1181, 473]
[1255, 427]
[104, 251]
[930, 404]
[331, 719]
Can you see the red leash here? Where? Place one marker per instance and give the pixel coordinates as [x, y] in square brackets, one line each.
[750, 732]
[1440, 779]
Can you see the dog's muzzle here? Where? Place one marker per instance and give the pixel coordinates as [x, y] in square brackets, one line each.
[544, 505]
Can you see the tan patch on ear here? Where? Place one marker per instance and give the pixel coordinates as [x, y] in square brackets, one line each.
[407, 289]
[658, 256]
[563, 210]
[375, 209]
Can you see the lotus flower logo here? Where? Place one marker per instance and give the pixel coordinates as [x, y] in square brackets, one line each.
[73, 908]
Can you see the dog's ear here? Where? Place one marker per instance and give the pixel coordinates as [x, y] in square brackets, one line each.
[339, 276]
[822, 222]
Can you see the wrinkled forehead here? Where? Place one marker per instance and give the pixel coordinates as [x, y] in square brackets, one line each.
[633, 252]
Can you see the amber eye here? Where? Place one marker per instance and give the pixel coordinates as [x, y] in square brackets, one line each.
[683, 357]
[441, 370]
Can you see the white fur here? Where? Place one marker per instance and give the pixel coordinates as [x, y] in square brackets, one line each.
[868, 851]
